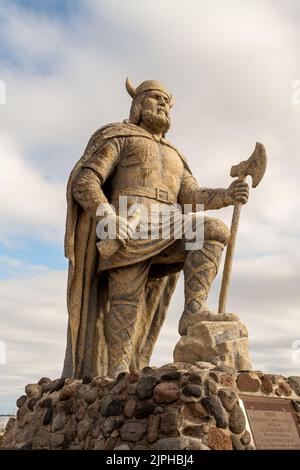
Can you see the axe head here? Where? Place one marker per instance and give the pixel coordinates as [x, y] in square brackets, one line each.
[255, 166]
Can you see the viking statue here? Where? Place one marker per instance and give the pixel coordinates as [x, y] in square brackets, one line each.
[118, 304]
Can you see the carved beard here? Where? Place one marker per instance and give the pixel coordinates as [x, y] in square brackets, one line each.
[156, 122]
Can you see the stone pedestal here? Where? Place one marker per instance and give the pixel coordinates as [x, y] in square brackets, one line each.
[174, 407]
[215, 341]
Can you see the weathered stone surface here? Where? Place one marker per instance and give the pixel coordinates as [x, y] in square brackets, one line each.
[53, 386]
[237, 421]
[57, 440]
[236, 442]
[294, 382]
[228, 398]
[214, 405]
[193, 431]
[83, 428]
[196, 444]
[100, 392]
[122, 447]
[10, 424]
[21, 415]
[33, 391]
[173, 375]
[42, 439]
[192, 390]
[132, 432]
[46, 403]
[110, 424]
[133, 376]
[21, 401]
[166, 392]
[111, 406]
[169, 422]
[205, 365]
[145, 386]
[158, 410]
[94, 410]
[266, 385]
[296, 405]
[90, 396]
[66, 393]
[286, 389]
[246, 438]
[194, 378]
[27, 446]
[129, 408]
[69, 406]
[225, 368]
[144, 409]
[275, 378]
[31, 403]
[211, 340]
[100, 444]
[44, 380]
[87, 379]
[218, 440]
[58, 422]
[152, 428]
[71, 430]
[194, 412]
[172, 443]
[120, 387]
[48, 416]
[246, 383]
[211, 387]
[80, 412]
[214, 376]
[148, 370]
[227, 380]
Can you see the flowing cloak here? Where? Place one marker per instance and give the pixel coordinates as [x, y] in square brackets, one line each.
[87, 292]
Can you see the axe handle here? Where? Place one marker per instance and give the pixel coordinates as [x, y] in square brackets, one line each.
[229, 255]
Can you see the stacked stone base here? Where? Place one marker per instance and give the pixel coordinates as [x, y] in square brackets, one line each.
[175, 407]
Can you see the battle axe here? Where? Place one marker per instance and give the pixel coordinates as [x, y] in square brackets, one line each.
[255, 167]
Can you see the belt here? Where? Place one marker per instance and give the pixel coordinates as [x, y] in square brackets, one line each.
[161, 195]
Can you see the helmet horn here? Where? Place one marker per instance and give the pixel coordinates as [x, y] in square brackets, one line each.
[130, 88]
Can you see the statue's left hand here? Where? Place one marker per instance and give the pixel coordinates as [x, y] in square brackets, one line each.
[237, 192]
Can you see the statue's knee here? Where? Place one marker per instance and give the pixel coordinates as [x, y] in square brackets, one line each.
[215, 229]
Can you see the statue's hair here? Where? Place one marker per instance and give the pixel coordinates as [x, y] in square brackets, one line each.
[135, 114]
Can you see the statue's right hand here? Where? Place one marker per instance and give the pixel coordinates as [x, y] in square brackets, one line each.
[123, 228]
[119, 226]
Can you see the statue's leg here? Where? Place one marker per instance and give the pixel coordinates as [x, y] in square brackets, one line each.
[200, 269]
[125, 285]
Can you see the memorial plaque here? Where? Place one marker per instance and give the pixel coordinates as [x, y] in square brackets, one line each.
[272, 422]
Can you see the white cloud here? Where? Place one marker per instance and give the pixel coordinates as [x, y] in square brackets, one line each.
[29, 204]
[33, 327]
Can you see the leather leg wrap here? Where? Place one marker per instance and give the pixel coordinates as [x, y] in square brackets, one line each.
[119, 331]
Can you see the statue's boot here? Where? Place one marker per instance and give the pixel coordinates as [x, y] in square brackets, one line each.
[200, 269]
[119, 331]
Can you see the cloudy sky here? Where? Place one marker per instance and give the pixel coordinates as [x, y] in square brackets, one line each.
[233, 68]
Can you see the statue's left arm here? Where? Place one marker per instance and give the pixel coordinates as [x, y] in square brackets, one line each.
[211, 198]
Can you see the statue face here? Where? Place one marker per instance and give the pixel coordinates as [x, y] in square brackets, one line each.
[157, 102]
[156, 112]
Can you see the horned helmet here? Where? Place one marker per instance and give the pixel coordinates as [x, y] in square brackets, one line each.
[148, 85]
